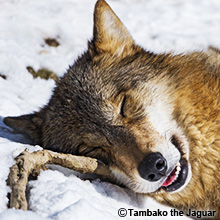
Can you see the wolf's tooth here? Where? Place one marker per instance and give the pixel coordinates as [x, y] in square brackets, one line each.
[178, 168]
[175, 178]
[177, 172]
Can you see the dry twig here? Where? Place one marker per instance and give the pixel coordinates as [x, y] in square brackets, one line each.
[31, 163]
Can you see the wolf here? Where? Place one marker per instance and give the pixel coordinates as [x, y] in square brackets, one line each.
[153, 119]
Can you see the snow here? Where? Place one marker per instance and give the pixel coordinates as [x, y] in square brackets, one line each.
[158, 25]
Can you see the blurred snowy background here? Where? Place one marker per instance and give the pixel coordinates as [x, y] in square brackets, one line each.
[157, 25]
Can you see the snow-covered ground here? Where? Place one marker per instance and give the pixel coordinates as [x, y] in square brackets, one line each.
[158, 25]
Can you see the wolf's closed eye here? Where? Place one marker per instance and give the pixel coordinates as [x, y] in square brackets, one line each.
[130, 108]
[122, 110]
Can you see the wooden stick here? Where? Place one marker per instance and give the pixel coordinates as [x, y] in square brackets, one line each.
[31, 163]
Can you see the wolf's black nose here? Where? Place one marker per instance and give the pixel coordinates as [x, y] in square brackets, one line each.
[153, 167]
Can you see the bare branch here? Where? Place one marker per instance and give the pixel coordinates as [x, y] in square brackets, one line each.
[29, 163]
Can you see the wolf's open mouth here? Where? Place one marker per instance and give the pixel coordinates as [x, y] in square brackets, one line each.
[177, 177]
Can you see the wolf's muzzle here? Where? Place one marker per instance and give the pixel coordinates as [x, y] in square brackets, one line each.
[153, 167]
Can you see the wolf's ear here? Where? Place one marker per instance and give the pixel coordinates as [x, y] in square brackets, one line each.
[110, 35]
[28, 125]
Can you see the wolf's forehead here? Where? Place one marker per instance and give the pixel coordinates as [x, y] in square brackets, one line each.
[108, 85]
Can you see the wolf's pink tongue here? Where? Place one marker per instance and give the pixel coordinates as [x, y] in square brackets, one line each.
[169, 179]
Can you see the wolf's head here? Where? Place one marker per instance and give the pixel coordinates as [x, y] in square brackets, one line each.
[115, 104]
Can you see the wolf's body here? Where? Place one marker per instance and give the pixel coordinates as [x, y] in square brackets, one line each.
[153, 119]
